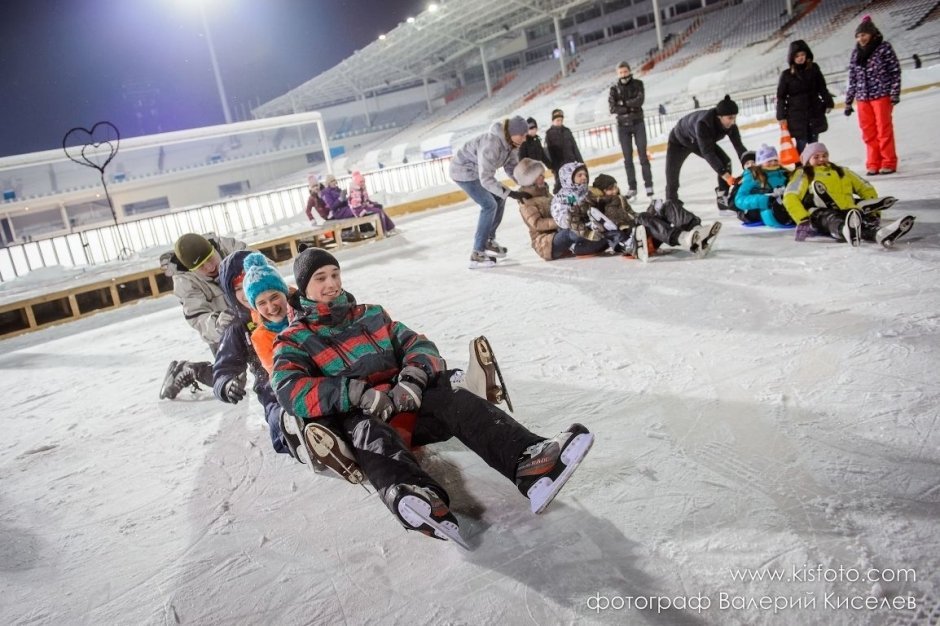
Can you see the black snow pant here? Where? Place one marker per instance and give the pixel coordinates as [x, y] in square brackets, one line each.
[445, 412]
[664, 226]
[628, 134]
[676, 154]
[830, 222]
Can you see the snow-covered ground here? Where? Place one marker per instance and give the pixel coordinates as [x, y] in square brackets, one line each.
[764, 412]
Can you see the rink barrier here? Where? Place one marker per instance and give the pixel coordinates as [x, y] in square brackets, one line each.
[80, 301]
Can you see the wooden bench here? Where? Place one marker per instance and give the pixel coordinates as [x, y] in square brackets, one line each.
[319, 235]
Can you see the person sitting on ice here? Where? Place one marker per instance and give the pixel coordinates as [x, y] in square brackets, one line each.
[350, 366]
[194, 267]
[361, 204]
[758, 199]
[257, 295]
[833, 201]
[571, 208]
[548, 240]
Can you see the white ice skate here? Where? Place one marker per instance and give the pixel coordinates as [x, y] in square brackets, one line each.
[852, 229]
[483, 376]
[707, 237]
[887, 235]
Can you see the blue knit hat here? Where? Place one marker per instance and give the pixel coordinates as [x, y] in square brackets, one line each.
[260, 276]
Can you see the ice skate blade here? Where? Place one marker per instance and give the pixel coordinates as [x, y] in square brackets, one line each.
[417, 512]
[544, 490]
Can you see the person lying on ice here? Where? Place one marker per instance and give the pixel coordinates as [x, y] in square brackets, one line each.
[831, 200]
[350, 366]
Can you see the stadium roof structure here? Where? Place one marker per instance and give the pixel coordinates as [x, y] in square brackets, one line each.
[431, 46]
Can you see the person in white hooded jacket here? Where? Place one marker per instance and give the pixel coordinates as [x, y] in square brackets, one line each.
[474, 170]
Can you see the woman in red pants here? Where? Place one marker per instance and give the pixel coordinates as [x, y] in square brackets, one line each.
[874, 87]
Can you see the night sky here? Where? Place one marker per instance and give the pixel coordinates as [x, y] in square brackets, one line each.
[67, 63]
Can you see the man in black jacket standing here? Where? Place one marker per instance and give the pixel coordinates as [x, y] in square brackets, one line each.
[560, 145]
[698, 133]
[626, 102]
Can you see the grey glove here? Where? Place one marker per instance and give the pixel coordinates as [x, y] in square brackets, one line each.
[225, 318]
[373, 403]
[234, 390]
[407, 393]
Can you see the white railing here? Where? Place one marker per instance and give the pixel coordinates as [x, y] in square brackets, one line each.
[95, 246]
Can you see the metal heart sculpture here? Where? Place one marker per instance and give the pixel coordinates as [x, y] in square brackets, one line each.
[92, 148]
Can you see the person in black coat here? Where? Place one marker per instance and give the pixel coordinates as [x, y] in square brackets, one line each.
[532, 148]
[802, 97]
[698, 133]
[626, 102]
[236, 354]
[560, 145]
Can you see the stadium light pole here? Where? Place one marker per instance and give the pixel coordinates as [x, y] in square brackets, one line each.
[215, 64]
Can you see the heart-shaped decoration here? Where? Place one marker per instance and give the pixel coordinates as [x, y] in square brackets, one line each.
[92, 148]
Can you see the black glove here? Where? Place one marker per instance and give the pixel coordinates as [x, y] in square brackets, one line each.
[342, 196]
[895, 99]
[234, 390]
[849, 110]
[406, 395]
[373, 403]
[520, 195]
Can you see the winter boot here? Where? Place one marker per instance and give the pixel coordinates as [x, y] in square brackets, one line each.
[327, 449]
[887, 235]
[707, 236]
[483, 376]
[494, 249]
[170, 389]
[875, 205]
[481, 260]
[546, 466]
[425, 510]
[852, 229]
[689, 240]
[723, 200]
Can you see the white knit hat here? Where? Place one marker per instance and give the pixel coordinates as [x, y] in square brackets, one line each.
[527, 172]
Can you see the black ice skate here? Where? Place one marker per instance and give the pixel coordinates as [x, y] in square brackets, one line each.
[887, 235]
[852, 229]
[546, 466]
[169, 390]
[876, 205]
[424, 510]
[327, 449]
[483, 376]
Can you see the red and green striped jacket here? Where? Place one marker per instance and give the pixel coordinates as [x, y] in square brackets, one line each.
[329, 345]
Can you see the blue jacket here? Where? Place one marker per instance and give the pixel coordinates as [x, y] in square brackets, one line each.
[236, 353]
[752, 195]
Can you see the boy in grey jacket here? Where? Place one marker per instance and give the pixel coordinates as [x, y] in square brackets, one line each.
[194, 267]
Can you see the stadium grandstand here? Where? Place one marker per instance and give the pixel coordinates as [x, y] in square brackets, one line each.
[407, 100]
